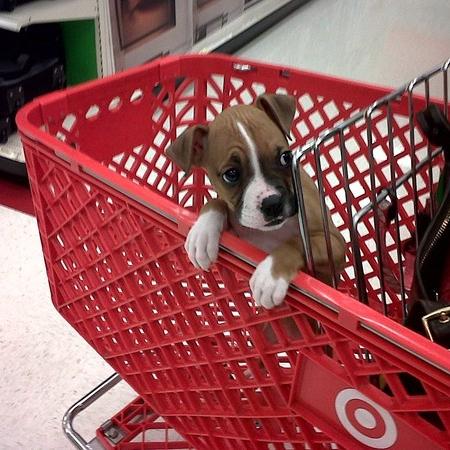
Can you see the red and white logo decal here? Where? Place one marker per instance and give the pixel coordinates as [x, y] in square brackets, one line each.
[365, 420]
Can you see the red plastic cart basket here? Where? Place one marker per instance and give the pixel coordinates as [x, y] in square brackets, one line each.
[113, 213]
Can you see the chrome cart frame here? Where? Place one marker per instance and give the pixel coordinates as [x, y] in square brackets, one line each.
[67, 422]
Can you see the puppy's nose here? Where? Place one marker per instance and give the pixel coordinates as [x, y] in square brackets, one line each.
[272, 206]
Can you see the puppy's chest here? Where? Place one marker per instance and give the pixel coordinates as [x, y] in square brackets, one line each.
[267, 240]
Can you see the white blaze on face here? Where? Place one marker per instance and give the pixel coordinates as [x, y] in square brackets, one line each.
[256, 190]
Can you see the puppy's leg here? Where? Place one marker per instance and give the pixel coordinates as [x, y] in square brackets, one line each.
[271, 278]
[270, 281]
[320, 255]
[202, 242]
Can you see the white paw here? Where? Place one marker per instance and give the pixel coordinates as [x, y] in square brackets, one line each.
[267, 291]
[202, 242]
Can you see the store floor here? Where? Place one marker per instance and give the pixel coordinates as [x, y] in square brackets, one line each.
[44, 365]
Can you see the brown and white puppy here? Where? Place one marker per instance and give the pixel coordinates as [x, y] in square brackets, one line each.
[246, 155]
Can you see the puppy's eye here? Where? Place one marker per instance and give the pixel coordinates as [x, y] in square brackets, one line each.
[286, 158]
[231, 176]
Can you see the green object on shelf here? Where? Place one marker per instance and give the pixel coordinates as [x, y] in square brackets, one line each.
[80, 51]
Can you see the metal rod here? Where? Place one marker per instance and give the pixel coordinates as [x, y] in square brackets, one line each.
[430, 163]
[390, 125]
[356, 250]
[324, 213]
[413, 158]
[384, 193]
[79, 406]
[370, 156]
[302, 219]
[397, 94]
[445, 75]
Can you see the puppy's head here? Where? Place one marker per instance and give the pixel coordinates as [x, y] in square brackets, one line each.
[247, 157]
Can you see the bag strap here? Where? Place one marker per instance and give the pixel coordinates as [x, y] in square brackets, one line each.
[386, 211]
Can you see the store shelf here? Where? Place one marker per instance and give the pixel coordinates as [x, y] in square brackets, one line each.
[13, 149]
[45, 11]
[12, 159]
[253, 21]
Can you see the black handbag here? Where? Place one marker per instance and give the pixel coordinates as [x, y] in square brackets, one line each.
[9, 5]
[429, 313]
[31, 64]
[41, 77]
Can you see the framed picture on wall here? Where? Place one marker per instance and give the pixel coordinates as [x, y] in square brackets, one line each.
[138, 19]
[146, 29]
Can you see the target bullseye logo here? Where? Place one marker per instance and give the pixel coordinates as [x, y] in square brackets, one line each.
[365, 420]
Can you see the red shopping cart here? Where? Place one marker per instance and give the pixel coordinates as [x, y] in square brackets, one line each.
[113, 213]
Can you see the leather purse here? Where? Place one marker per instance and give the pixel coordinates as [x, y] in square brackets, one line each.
[429, 312]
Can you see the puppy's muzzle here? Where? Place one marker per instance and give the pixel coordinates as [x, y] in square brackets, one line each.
[278, 207]
[272, 207]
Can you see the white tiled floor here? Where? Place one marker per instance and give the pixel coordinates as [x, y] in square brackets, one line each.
[44, 364]
[384, 42]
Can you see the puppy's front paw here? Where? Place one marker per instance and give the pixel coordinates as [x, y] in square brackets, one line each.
[202, 242]
[267, 290]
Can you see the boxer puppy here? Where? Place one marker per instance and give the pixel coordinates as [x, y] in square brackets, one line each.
[246, 155]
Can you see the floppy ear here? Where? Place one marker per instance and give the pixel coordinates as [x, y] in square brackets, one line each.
[280, 108]
[189, 148]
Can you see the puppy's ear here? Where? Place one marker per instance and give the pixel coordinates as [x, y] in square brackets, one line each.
[189, 148]
[280, 108]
